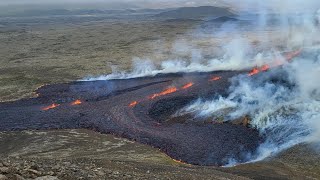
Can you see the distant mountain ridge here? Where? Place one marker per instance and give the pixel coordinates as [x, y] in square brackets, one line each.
[197, 12]
[58, 12]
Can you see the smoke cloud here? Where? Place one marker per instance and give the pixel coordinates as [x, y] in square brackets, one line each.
[284, 103]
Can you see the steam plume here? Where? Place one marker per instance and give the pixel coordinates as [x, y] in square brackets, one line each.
[284, 103]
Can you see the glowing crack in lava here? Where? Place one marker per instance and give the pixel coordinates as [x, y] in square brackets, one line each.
[215, 78]
[188, 85]
[254, 71]
[76, 102]
[265, 68]
[52, 106]
[165, 92]
[133, 104]
[288, 57]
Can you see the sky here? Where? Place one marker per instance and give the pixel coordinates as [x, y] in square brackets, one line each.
[131, 2]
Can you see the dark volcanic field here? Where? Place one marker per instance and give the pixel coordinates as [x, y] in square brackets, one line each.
[105, 108]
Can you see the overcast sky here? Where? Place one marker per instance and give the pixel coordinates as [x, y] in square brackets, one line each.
[129, 2]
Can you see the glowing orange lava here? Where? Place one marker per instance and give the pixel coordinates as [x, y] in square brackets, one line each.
[289, 56]
[254, 71]
[257, 70]
[187, 85]
[265, 68]
[215, 78]
[76, 102]
[165, 92]
[133, 104]
[52, 106]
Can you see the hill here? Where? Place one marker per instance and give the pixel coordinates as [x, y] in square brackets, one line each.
[196, 12]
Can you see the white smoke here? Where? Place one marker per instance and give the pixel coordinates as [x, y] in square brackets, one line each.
[283, 6]
[284, 103]
[293, 31]
[237, 56]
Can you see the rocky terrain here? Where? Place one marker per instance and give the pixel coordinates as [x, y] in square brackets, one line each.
[83, 154]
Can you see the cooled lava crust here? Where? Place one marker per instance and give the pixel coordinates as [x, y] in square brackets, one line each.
[106, 107]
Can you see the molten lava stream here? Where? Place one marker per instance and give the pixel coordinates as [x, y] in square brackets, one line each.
[254, 71]
[215, 78]
[133, 104]
[265, 68]
[52, 106]
[289, 56]
[190, 84]
[165, 92]
[76, 102]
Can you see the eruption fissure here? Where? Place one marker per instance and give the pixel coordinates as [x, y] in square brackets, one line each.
[133, 104]
[163, 93]
[55, 105]
[52, 106]
[288, 57]
[76, 102]
[188, 85]
[215, 78]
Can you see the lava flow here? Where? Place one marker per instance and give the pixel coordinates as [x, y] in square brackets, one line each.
[254, 71]
[133, 104]
[289, 56]
[165, 92]
[188, 85]
[265, 68]
[76, 102]
[149, 123]
[215, 78]
[257, 70]
[52, 106]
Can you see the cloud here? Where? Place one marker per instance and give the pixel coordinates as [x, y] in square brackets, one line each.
[125, 3]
